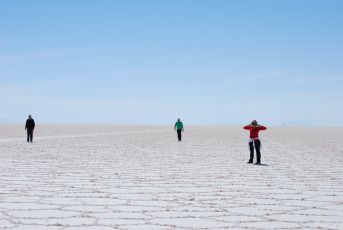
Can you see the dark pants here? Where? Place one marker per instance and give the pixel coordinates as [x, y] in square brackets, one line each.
[179, 134]
[258, 153]
[29, 134]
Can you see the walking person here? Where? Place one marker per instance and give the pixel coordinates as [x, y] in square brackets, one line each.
[29, 127]
[254, 140]
[179, 128]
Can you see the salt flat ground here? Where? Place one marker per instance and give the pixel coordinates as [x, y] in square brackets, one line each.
[140, 177]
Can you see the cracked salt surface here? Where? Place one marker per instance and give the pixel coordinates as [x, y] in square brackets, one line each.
[140, 177]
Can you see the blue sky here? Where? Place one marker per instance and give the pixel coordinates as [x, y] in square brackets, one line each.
[150, 62]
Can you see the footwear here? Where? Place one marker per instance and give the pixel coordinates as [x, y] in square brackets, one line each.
[257, 163]
[249, 162]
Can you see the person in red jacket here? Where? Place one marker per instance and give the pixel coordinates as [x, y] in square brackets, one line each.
[254, 140]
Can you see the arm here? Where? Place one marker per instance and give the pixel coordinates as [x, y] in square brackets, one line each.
[247, 127]
[34, 125]
[25, 125]
[260, 127]
[175, 127]
[182, 129]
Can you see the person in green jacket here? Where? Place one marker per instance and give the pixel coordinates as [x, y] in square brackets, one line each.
[179, 128]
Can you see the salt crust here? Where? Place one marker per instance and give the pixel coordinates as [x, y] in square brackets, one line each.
[139, 177]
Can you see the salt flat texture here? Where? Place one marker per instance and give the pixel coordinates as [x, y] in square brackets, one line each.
[140, 177]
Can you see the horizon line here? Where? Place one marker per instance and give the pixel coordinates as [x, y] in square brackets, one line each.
[164, 124]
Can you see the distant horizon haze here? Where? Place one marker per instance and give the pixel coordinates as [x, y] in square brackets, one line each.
[171, 124]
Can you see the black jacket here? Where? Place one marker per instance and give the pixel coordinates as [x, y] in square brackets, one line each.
[30, 124]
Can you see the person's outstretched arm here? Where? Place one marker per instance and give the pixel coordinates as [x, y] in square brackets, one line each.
[261, 127]
[247, 127]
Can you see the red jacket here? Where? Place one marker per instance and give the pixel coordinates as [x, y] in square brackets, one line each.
[254, 132]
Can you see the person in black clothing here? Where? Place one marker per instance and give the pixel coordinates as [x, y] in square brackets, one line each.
[29, 127]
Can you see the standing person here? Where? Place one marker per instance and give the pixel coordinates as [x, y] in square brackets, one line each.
[254, 140]
[179, 128]
[29, 127]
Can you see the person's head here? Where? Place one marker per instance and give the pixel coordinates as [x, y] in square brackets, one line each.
[30, 117]
[178, 119]
[254, 123]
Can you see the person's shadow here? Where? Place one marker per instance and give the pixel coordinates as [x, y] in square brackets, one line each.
[261, 164]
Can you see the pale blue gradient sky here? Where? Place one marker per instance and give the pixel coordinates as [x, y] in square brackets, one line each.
[150, 62]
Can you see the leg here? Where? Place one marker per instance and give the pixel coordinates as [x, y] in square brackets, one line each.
[251, 145]
[179, 134]
[28, 135]
[258, 153]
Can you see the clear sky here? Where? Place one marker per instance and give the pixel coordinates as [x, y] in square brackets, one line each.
[149, 62]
